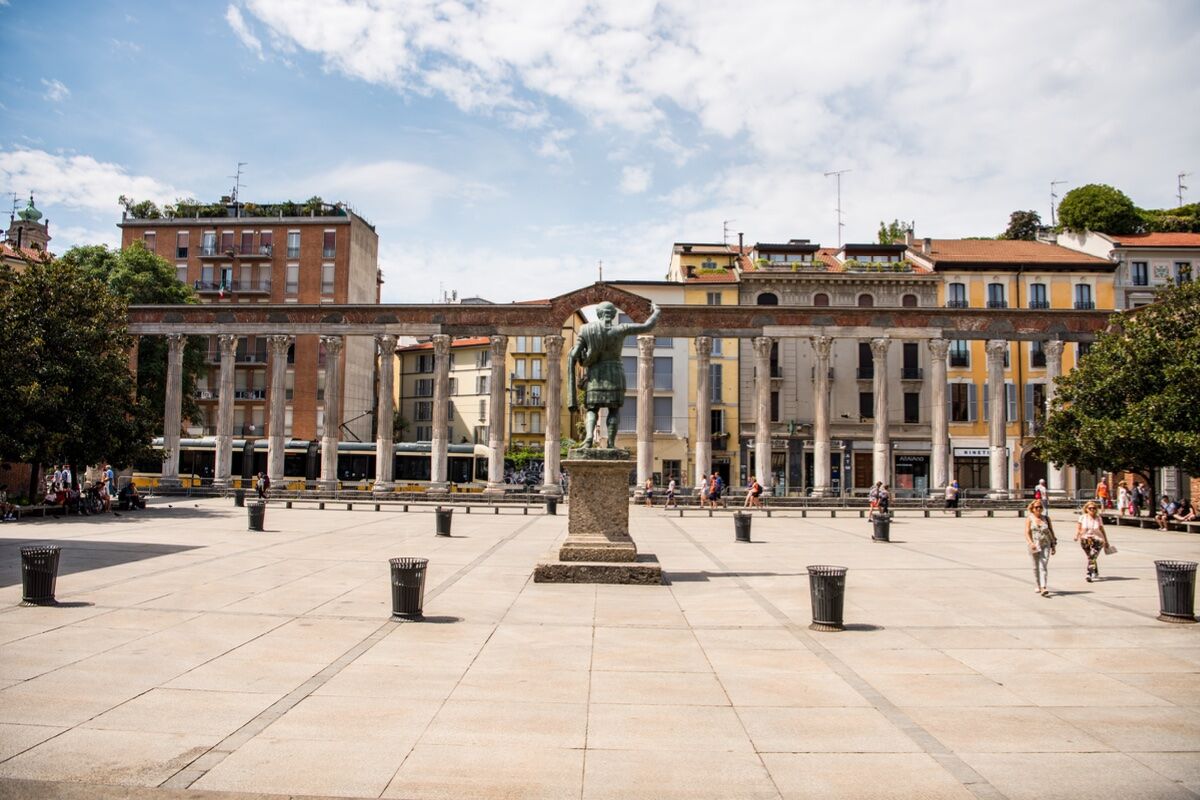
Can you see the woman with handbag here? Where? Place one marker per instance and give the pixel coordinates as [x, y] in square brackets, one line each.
[1039, 536]
[1089, 532]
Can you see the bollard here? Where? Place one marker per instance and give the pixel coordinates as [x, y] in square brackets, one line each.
[552, 506]
[443, 520]
[288, 504]
[320, 506]
[827, 590]
[349, 506]
[408, 587]
[256, 512]
[377, 506]
[741, 526]
[239, 498]
[1176, 590]
[39, 574]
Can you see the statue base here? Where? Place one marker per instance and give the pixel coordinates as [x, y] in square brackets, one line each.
[598, 547]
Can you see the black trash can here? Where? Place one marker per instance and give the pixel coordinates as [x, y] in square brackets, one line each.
[39, 573]
[1176, 590]
[552, 506]
[741, 526]
[408, 586]
[827, 589]
[239, 497]
[443, 520]
[882, 528]
[256, 510]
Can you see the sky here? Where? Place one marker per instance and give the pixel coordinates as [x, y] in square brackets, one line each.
[508, 149]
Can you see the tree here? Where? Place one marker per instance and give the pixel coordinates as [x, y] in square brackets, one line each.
[400, 424]
[141, 277]
[1099, 207]
[892, 232]
[1022, 225]
[1130, 404]
[67, 392]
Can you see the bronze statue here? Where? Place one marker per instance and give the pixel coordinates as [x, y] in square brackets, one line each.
[598, 350]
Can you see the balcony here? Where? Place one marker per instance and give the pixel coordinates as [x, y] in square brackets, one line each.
[997, 304]
[865, 373]
[249, 394]
[958, 304]
[720, 440]
[203, 394]
[813, 373]
[662, 424]
[249, 252]
[1085, 305]
[1039, 304]
[529, 402]
[912, 374]
[960, 360]
[233, 287]
[248, 429]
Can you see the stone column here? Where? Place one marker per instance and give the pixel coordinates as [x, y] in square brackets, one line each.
[439, 482]
[998, 408]
[939, 424]
[275, 444]
[822, 480]
[703, 408]
[882, 461]
[762, 410]
[645, 412]
[551, 465]
[1054, 351]
[385, 407]
[223, 471]
[331, 430]
[498, 349]
[173, 411]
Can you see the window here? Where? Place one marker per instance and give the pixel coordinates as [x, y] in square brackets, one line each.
[247, 242]
[423, 410]
[672, 468]
[424, 433]
[909, 301]
[714, 298]
[226, 241]
[767, 299]
[820, 299]
[1035, 407]
[208, 243]
[663, 379]
[910, 369]
[535, 344]
[519, 368]
[960, 353]
[962, 402]
[424, 387]
[181, 244]
[629, 365]
[1010, 398]
[995, 293]
[181, 273]
[425, 362]
[535, 368]
[717, 420]
[519, 344]
[866, 405]
[662, 415]
[773, 360]
[956, 295]
[627, 422]
[328, 247]
[1037, 355]
[293, 280]
[1082, 350]
[481, 437]
[912, 407]
[481, 386]
[266, 239]
[774, 406]
[483, 358]
[716, 347]
[293, 244]
[149, 238]
[327, 280]
[453, 387]
[535, 422]
[519, 422]
[714, 383]
[866, 301]
[1183, 272]
[1083, 296]
[535, 395]
[1037, 296]
[206, 275]
[866, 362]
[1139, 273]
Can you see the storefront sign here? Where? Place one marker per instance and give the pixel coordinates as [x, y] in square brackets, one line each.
[912, 459]
[975, 452]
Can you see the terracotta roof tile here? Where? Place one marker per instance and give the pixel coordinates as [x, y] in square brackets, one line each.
[1158, 240]
[10, 251]
[473, 341]
[1004, 251]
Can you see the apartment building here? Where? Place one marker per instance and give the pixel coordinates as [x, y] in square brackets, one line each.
[470, 374]
[1143, 262]
[527, 367]
[233, 253]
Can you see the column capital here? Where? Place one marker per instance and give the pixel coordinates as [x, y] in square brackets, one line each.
[879, 346]
[498, 345]
[938, 347]
[1053, 348]
[227, 342]
[554, 345]
[441, 344]
[762, 346]
[822, 345]
[279, 343]
[333, 344]
[645, 343]
[996, 348]
[386, 342]
[704, 346]
[176, 341]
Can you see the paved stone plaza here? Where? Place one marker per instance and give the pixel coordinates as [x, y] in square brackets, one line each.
[192, 655]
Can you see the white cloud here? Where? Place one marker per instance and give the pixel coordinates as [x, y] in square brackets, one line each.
[78, 182]
[233, 16]
[635, 180]
[552, 145]
[56, 91]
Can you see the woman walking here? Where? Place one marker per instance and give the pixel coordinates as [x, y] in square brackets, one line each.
[1122, 498]
[649, 492]
[1089, 532]
[1039, 536]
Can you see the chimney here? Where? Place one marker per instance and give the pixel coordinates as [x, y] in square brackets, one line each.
[926, 245]
[741, 242]
[910, 237]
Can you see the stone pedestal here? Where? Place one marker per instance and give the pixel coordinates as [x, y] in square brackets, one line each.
[598, 548]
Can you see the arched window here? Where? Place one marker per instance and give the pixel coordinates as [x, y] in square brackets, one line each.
[820, 299]
[866, 301]
[768, 299]
[909, 301]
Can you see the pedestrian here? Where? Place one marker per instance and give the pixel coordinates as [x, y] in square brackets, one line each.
[952, 495]
[1089, 532]
[1102, 495]
[753, 494]
[1144, 499]
[671, 493]
[1039, 536]
[1122, 498]
[702, 490]
[1135, 501]
[719, 484]
[1041, 492]
[1167, 508]
[67, 478]
[885, 499]
[260, 485]
[649, 492]
[873, 497]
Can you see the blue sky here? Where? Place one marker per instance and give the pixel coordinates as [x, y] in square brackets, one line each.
[504, 148]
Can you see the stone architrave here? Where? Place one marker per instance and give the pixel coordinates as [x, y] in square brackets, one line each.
[551, 467]
[385, 405]
[822, 479]
[277, 437]
[939, 424]
[762, 411]
[1055, 482]
[881, 462]
[998, 411]
[498, 348]
[173, 411]
[223, 471]
[645, 412]
[439, 482]
[331, 428]
[703, 408]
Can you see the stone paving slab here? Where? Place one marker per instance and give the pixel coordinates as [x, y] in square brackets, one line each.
[190, 658]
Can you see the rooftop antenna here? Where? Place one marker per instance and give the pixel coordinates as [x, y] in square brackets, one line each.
[12, 215]
[600, 268]
[725, 231]
[237, 185]
[1053, 197]
[1182, 186]
[840, 224]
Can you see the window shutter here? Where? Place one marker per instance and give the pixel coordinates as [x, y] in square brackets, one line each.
[972, 403]
[1010, 395]
[1029, 406]
[950, 403]
[985, 402]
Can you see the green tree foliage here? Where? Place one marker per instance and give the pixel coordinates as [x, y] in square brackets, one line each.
[140, 277]
[1022, 225]
[1131, 403]
[892, 232]
[1099, 207]
[1185, 219]
[67, 393]
[144, 209]
[400, 424]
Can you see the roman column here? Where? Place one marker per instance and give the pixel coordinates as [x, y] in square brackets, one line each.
[881, 462]
[498, 348]
[173, 412]
[385, 406]
[275, 444]
[939, 424]
[762, 411]
[645, 412]
[822, 480]
[550, 468]
[703, 408]
[227, 343]
[331, 428]
[438, 479]
[998, 408]
[1054, 351]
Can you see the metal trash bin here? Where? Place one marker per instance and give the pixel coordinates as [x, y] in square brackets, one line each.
[827, 589]
[741, 526]
[443, 520]
[552, 506]
[1176, 590]
[256, 510]
[882, 530]
[239, 498]
[408, 586]
[39, 573]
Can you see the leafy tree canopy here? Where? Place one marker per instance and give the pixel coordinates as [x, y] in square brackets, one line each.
[1022, 225]
[1099, 207]
[1131, 403]
[1185, 219]
[892, 232]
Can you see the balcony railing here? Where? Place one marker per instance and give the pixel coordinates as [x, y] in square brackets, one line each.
[238, 250]
[1036, 304]
[813, 373]
[1085, 305]
[249, 287]
[249, 394]
[865, 373]
[958, 304]
[328, 252]
[911, 373]
[204, 394]
[248, 429]
[662, 424]
[997, 304]
[960, 360]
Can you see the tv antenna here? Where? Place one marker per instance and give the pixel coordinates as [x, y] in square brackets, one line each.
[600, 269]
[838, 173]
[1053, 197]
[12, 215]
[1182, 186]
[237, 185]
[725, 231]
